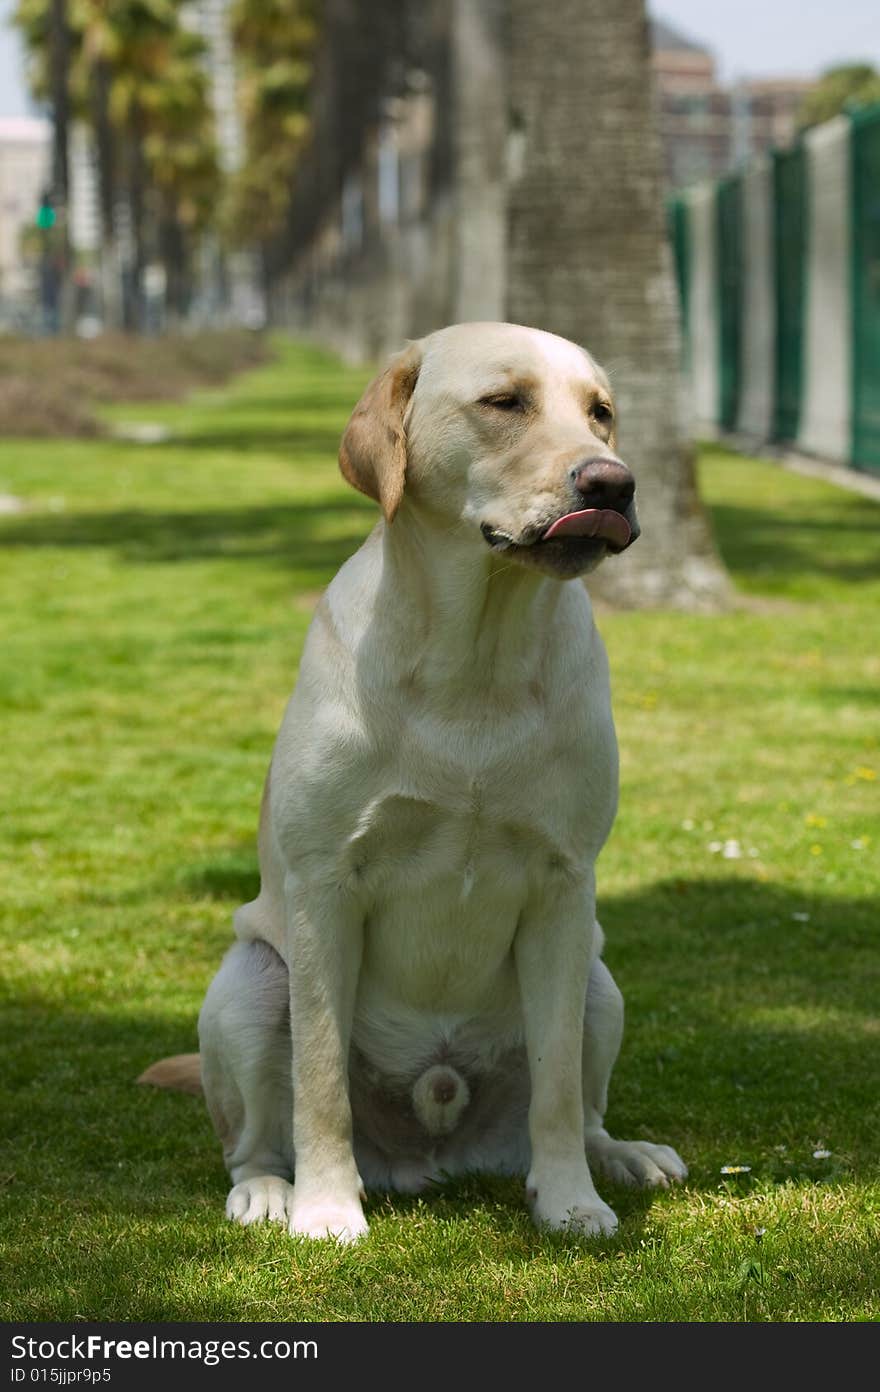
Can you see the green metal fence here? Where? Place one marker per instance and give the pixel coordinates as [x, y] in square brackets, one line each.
[679, 233]
[866, 290]
[728, 214]
[789, 254]
[808, 229]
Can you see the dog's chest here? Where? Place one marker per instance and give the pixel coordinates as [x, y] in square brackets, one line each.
[408, 842]
[461, 805]
[447, 852]
[444, 883]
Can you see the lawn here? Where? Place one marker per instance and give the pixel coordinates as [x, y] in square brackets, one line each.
[155, 600]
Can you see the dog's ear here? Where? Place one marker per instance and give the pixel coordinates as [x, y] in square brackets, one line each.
[372, 455]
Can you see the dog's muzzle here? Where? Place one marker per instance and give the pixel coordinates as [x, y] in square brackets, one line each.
[607, 488]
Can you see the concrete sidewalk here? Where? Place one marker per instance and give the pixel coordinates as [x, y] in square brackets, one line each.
[854, 479]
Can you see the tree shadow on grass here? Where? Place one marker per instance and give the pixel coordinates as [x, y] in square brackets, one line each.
[312, 398]
[752, 1038]
[752, 1012]
[839, 544]
[753, 1029]
[765, 999]
[279, 436]
[235, 878]
[752, 1015]
[285, 533]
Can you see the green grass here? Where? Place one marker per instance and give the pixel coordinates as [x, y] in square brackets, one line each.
[154, 603]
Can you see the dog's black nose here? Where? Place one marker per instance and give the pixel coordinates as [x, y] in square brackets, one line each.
[604, 483]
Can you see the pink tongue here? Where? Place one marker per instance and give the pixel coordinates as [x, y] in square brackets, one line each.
[592, 522]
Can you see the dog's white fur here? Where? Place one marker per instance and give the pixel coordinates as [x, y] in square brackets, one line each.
[421, 969]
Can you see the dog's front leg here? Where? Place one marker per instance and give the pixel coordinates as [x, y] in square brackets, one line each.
[553, 951]
[325, 941]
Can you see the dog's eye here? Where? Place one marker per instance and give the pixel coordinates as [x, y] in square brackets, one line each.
[504, 401]
[603, 413]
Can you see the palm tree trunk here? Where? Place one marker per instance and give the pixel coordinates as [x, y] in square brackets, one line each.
[105, 149]
[479, 130]
[59, 86]
[137, 191]
[588, 258]
[173, 251]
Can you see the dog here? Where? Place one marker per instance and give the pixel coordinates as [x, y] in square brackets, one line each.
[418, 989]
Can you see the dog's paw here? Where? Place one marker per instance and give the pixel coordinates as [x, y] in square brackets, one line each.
[341, 1219]
[266, 1196]
[584, 1215]
[635, 1162]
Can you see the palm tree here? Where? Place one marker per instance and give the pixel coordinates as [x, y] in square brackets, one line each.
[136, 77]
[274, 40]
[142, 85]
[59, 86]
[181, 157]
[92, 83]
[588, 258]
[139, 43]
[47, 30]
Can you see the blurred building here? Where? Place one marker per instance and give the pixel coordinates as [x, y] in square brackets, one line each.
[25, 175]
[709, 130]
[229, 284]
[85, 213]
[24, 172]
[211, 20]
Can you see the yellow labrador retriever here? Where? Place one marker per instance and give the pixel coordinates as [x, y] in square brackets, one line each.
[417, 990]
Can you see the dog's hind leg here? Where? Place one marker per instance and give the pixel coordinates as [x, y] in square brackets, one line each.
[627, 1162]
[244, 1035]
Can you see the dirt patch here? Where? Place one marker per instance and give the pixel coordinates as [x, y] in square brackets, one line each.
[50, 386]
[29, 406]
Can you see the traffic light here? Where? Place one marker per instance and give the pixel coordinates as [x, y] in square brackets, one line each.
[46, 215]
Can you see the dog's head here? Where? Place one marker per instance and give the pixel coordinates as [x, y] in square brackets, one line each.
[503, 431]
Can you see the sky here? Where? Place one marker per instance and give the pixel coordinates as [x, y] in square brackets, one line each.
[13, 101]
[778, 38]
[750, 38]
